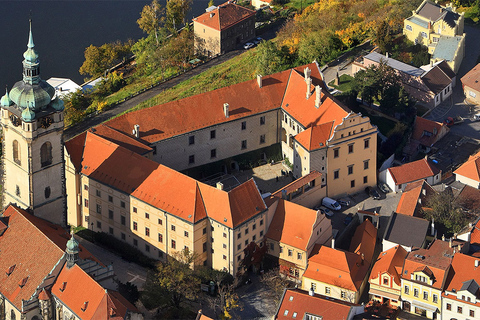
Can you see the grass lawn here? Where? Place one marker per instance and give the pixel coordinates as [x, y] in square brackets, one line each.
[345, 83]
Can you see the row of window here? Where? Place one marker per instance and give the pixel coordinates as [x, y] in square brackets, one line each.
[460, 310]
[45, 153]
[98, 193]
[366, 145]
[416, 294]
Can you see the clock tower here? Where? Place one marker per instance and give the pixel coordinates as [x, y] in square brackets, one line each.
[33, 163]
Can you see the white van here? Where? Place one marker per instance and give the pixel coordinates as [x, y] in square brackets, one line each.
[331, 204]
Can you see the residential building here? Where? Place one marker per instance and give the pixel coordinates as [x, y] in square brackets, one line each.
[408, 231]
[385, 281]
[342, 274]
[300, 304]
[63, 86]
[159, 210]
[425, 134]
[460, 300]
[397, 178]
[414, 197]
[260, 3]
[471, 86]
[292, 234]
[32, 157]
[469, 172]
[430, 84]
[440, 29]
[424, 278]
[223, 28]
[48, 275]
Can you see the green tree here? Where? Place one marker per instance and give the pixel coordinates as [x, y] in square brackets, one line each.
[75, 105]
[172, 282]
[151, 19]
[323, 46]
[99, 59]
[383, 36]
[176, 13]
[270, 59]
[445, 210]
[210, 3]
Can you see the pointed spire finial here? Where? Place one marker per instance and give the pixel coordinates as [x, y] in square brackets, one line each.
[30, 37]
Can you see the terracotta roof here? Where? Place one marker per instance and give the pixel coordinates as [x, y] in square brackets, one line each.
[391, 262]
[471, 79]
[303, 110]
[469, 198]
[437, 258]
[75, 148]
[292, 224]
[121, 138]
[315, 137]
[224, 16]
[300, 302]
[86, 298]
[22, 247]
[409, 199]
[205, 109]
[436, 80]
[426, 131]
[463, 269]
[475, 235]
[364, 239]
[413, 171]
[298, 183]
[471, 168]
[406, 230]
[337, 267]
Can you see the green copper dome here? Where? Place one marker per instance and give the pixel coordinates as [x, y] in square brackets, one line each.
[72, 245]
[57, 104]
[6, 101]
[36, 96]
[28, 115]
[31, 55]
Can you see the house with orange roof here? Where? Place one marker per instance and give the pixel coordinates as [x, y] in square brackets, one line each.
[342, 274]
[385, 278]
[301, 304]
[471, 86]
[461, 298]
[223, 28]
[397, 178]
[159, 210]
[292, 234]
[469, 172]
[27, 287]
[424, 278]
[414, 197]
[425, 134]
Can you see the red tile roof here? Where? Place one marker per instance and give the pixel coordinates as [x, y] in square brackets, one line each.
[300, 302]
[297, 184]
[337, 267]
[390, 262]
[427, 131]
[409, 199]
[469, 198]
[437, 258]
[125, 140]
[86, 298]
[471, 168]
[224, 16]
[363, 241]
[475, 235]
[315, 137]
[471, 79]
[292, 224]
[413, 171]
[463, 269]
[75, 148]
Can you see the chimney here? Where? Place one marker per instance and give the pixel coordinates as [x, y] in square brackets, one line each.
[333, 243]
[309, 85]
[431, 63]
[450, 243]
[307, 73]
[219, 185]
[443, 237]
[386, 55]
[311, 292]
[318, 96]
[225, 109]
[432, 231]
[259, 80]
[363, 258]
[212, 14]
[477, 263]
[136, 131]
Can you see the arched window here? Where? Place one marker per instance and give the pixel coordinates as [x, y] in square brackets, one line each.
[16, 152]
[46, 154]
[12, 315]
[47, 192]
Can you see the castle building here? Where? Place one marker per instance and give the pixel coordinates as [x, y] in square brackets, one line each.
[33, 159]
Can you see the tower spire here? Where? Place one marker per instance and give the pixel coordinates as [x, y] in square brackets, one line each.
[30, 44]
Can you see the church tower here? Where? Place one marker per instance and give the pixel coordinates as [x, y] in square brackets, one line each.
[33, 163]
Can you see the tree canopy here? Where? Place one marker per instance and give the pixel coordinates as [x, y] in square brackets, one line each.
[445, 210]
[176, 12]
[151, 18]
[99, 59]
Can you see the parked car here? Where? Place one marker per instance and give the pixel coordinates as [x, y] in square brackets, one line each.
[476, 117]
[383, 187]
[257, 40]
[248, 45]
[451, 121]
[326, 211]
[348, 219]
[331, 204]
[345, 203]
[372, 193]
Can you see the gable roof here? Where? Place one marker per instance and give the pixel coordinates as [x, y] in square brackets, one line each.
[75, 147]
[436, 80]
[224, 16]
[300, 302]
[292, 224]
[413, 171]
[426, 131]
[471, 79]
[86, 298]
[443, 65]
[433, 12]
[406, 230]
[395, 64]
[409, 201]
[122, 139]
[475, 234]
[315, 137]
[471, 168]
[364, 239]
[469, 198]
[391, 262]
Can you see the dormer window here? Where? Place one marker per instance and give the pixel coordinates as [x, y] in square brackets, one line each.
[10, 270]
[22, 283]
[85, 305]
[62, 288]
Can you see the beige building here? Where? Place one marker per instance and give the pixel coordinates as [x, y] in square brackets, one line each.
[223, 28]
[471, 86]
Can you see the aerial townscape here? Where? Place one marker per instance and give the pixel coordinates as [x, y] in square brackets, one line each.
[267, 159]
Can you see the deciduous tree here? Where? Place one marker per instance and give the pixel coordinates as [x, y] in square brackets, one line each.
[151, 19]
[445, 210]
[176, 13]
[276, 282]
